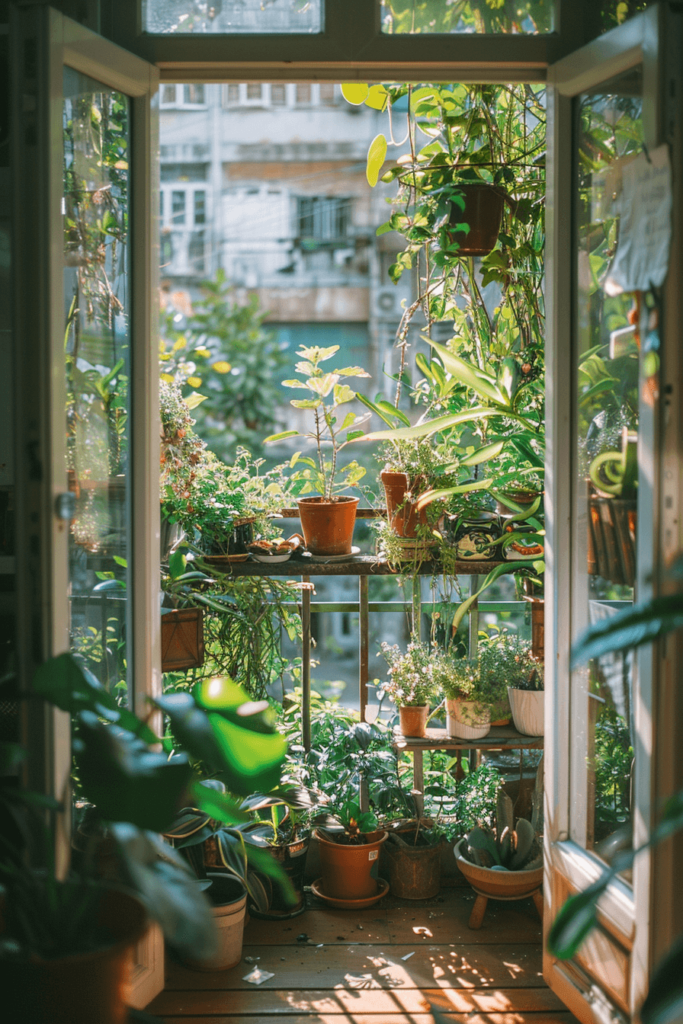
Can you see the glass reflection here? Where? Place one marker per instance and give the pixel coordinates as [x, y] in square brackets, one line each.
[95, 208]
[412, 17]
[264, 17]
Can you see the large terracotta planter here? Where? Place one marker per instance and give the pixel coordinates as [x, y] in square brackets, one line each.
[483, 213]
[229, 899]
[83, 988]
[327, 526]
[402, 514]
[413, 720]
[528, 710]
[350, 872]
[467, 719]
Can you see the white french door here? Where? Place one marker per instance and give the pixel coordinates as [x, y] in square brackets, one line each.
[611, 106]
[84, 173]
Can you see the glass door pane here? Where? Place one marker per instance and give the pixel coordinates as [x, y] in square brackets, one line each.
[530, 17]
[263, 17]
[97, 346]
[606, 359]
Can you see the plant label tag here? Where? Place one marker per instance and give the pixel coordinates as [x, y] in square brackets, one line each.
[373, 855]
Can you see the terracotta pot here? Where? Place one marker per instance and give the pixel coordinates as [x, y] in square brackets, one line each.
[327, 526]
[350, 872]
[413, 720]
[83, 988]
[500, 722]
[414, 872]
[483, 213]
[528, 710]
[467, 719]
[182, 639]
[229, 907]
[510, 884]
[402, 515]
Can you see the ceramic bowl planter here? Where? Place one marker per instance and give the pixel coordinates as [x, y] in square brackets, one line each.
[473, 536]
[467, 719]
[528, 709]
[413, 720]
[85, 987]
[182, 639]
[402, 513]
[413, 872]
[229, 899]
[327, 526]
[492, 883]
[350, 873]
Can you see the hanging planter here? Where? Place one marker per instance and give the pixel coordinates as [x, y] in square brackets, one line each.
[483, 213]
[327, 525]
[182, 639]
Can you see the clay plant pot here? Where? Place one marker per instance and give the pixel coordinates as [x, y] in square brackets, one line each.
[414, 872]
[350, 872]
[467, 719]
[327, 526]
[413, 720]
[495, 883]
[528, 710]
[229, 899]
[292, 859]
[402, 514]
[85, 987]
[483, 213]
[182, 639]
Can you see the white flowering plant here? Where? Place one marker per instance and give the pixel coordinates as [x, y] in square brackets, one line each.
[411, 674]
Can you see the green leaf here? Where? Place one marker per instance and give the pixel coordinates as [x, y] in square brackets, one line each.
[218, 805]
[343, 394]
[488, 451]
[474, 378]
[632, 627]
[176, 564]
[355, 92]
[195, 399]
[349, 420]
[376, 157]
[377, 97]
[389, 420]
[434, 426]
[391, 410]
[281, 437]
[252, 760]
[293, 383]
[303, 403]
[322, 386]
[474, 485]
[385, 228]
[352, 371]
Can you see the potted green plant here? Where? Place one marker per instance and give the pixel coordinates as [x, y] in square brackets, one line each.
[349, 857]
[505, 861]
[327, 520]
[496, 649]
[524, 680]
[468, 715]
[410, 685]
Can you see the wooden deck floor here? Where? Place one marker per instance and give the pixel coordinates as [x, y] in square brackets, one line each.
[352, 971]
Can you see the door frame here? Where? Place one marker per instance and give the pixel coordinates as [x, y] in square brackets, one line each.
[641, 41]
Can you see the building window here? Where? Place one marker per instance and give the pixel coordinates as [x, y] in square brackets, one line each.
[254, 91]
[323, 218]
[166, 249]
[327, 93]
[178, 208]
[183, 172]
[195, 253]
[303, 93]
[161, 206]
[167, 94]
[278, 94]
[231, 94]
[200, 207]
[193, 93]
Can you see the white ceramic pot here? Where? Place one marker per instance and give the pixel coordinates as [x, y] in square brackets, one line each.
[467, 719]
[528, 711]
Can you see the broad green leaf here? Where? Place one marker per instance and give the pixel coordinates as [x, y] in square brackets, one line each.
[353, 371]
[632, 627]
[176, 564]
[343, 393]
[488, 451]
[253, 760]
[434, 426]
[377, 97]
[281, 437]
[429, 496]
[376, 157]
[306, 403]
[376, 409]
[293, 383]
[476, 379]
[317, 355]
[195, 399]
[353, 435]
[355, 92]
[349, 420]
[391, 410]
[322, 385]
[218, 805]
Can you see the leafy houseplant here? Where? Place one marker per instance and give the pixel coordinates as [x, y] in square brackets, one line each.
[326, 521]
[524, 676]
[496, 651]
[349, 857]
[410, 685]
[468, 716]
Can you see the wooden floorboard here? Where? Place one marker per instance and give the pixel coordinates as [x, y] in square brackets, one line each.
[338, 967]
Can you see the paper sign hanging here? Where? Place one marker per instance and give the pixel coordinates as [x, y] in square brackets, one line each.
[642, 256]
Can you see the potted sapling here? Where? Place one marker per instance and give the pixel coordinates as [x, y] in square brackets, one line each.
[410, 685]
[468, 715]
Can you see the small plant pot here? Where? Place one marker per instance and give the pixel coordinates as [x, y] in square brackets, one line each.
[528, 710]
[467, 719]
[413, 720]
[85, 987]
[350, 872]
[402, 514]
[327, 526]
[292, 858]
[413, 872]
[182, 639]
[483, 213]
[229, 899]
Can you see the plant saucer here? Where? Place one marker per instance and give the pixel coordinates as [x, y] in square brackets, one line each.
[219, 560]
[331, 558]
[382, 890]
[272, 559]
